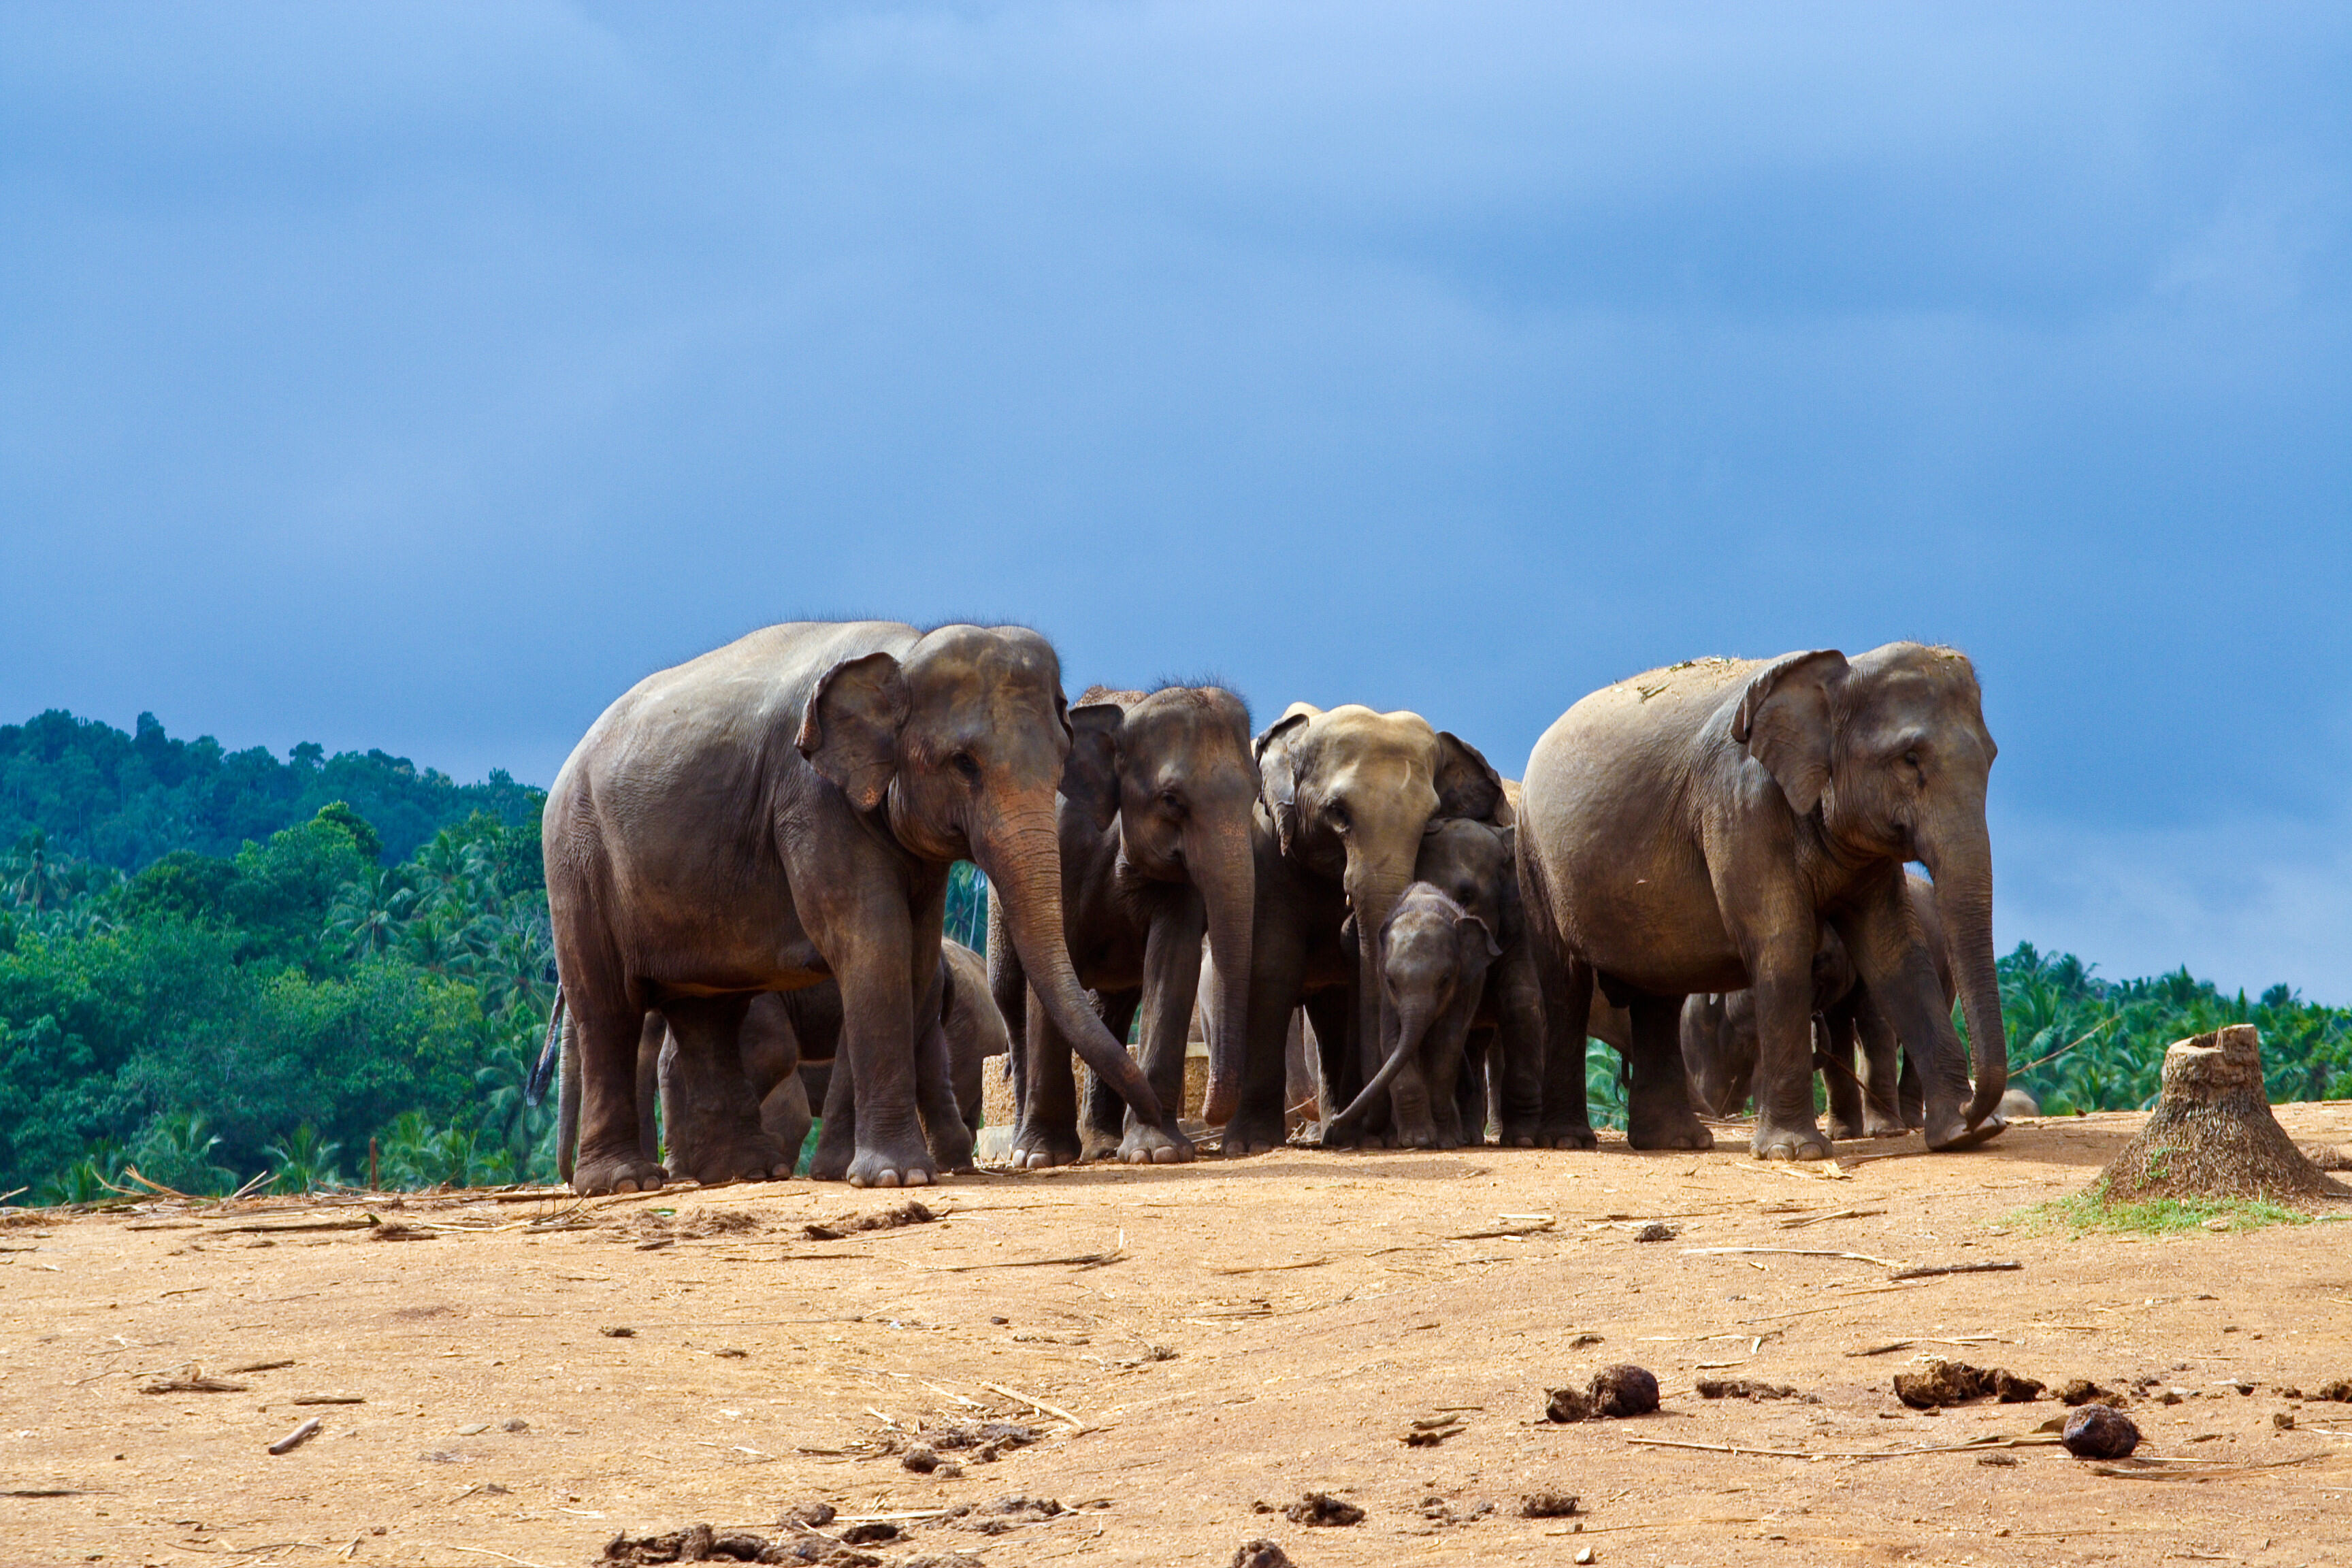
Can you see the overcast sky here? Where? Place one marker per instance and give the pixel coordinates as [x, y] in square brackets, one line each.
[421, 376]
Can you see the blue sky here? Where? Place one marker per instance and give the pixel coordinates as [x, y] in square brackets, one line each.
[421, 376]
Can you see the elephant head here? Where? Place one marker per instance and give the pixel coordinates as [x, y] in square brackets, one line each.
[1349, 792]
[1175, 769]
[1891, 749]
[961, 745]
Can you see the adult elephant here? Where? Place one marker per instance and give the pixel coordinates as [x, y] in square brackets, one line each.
[1344, 798]
[1154, 825]
[1883, 1100]
[1690, 829]
[783, 810]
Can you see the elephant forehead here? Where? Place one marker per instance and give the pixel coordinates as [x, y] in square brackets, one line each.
[1390, 748]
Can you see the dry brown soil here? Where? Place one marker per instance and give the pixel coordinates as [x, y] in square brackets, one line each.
[1263, 1328]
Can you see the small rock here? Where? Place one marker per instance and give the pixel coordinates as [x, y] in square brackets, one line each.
[1581, 1340]
[620, 1334]
[474, 1429]
[1998, 1459]
[514, 1424]
[1261, 1554]
[869, 1532]
[2239, 1384]
[2283, 1420]
[2100, 1432]
[1546, 1505]
[2083, 1391]
[921, 1458]
[1656, 1230]
[2339, 1389]
[1583, 1554]
[2172, 1397]
[812, 1514]
[1323, 1509]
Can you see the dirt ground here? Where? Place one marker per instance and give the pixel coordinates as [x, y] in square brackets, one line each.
[1189, 1343]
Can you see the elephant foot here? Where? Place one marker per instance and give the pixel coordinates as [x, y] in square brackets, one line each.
[1666, 1122]
[1554, 1133]
[953, 1154]
[1844, 1132]
[1788, 1141]
[624, 1173]
[1949, 1131]
[1155, 1146]
[1095, 1143]
[1882, 1127]
[900, 1163]
[1248, 1134]
[1042, 1148]
[752, 1157]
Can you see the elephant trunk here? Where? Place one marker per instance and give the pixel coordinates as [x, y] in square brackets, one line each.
[1023, 860]
[1412, 1022]
[1962, 867]
[1372, 892]
[1225, 871]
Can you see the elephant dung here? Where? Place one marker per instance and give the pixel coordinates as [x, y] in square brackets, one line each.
[907, 1213]
[2083, 1391]
[2099, 1432]
[696, 1543]
[1261, 1553]
[1742, 1388]
[1323, 1509]
[1615, 1392]
[1957, 1383]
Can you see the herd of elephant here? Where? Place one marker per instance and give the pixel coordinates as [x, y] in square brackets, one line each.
[747, 860]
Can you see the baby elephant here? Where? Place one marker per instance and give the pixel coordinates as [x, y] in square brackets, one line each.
[1433, 957]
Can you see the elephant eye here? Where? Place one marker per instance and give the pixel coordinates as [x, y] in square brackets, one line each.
[1336, 811]
[965, 763]
[1911, 757]
[1173, 803]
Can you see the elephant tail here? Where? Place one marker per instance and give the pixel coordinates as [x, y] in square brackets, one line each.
[542, 1071]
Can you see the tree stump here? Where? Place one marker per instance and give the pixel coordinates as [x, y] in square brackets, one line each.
[2211, 1133]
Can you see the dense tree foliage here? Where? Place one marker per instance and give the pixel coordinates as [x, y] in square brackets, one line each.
[215, 967]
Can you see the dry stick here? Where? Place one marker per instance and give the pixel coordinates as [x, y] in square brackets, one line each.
[1792, 1252]
[1084, 1259]
[1818, 1218]
[2029, 1440]
[299, 1436]
[1035, 1404]
[1271, 1267]
[2122, 1473]
[273, 1229]
[1932, 1270]
[1535, 1229]
[2069, 1045]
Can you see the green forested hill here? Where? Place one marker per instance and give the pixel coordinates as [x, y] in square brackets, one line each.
[119, 800]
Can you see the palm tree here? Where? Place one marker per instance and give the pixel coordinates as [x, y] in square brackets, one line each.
[369, 911]
[304, 1163]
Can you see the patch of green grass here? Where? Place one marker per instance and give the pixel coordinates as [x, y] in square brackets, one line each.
[2090, 1211]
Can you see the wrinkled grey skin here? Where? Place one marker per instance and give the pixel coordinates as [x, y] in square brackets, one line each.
[1880, 1100]
[1154, 824]
[783, 810]
[1691, 829]
[1432, 969]
[1344, 798]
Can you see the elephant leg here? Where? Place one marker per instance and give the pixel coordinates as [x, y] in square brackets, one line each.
[1564, 984]
[1102, 1114]
[945, 1132]
[1515, 1059]
[567, 1100]
[836, 1141]
[1048, 1133]
[1447, 1053]
[967, 1071]
[1171, 985]
[1896, 967]
[1277, 967]
[784, 1115]
[1833, 1044]
[717, 1137]
[603, 1039]
[1331, 1016]
[1470, 1086]
[1910, 1094]
[1658, 1113]
[1882, 1104]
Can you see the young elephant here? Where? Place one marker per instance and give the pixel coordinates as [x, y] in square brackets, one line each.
[1883, 1100]
[789, 1042]
[1433, 961]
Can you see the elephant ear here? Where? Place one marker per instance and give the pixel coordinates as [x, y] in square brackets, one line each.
[1474, 934]
[1090, 777]
[1784, 722]
[850, 730]
[1468, 784]
[1276, 749]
